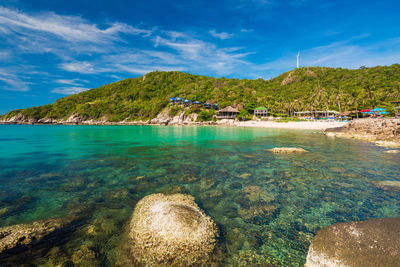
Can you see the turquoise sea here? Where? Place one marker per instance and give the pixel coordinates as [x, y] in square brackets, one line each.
[267, 207]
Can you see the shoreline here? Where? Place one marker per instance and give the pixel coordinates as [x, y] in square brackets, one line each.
[381, 131]
[292, 125]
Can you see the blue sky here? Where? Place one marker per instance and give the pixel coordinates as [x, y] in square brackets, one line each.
[49, 49]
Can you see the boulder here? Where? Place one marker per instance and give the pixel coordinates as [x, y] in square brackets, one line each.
[383, 131]
[388, 185]
[171, 230]
[365, 243]
[286, 150]
[23, 236]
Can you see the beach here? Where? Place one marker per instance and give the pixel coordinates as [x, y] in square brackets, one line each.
[298, 125]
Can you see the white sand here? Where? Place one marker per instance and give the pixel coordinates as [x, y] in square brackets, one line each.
[300, 125]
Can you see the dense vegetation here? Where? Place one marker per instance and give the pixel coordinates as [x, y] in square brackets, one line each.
[313, 88]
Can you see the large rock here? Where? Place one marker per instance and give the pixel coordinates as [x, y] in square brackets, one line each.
[367, 243]
[286, 150]
[382, 131]
[171, 230]
[22, 236]
[388, 185]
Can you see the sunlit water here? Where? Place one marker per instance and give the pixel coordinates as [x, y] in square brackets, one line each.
[267, 207]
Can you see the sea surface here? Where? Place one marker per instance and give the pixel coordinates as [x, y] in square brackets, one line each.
[268, 207]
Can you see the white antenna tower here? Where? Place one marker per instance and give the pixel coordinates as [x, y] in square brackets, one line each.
[298, 54]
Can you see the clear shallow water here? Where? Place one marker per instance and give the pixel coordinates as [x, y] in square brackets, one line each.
[267, 207]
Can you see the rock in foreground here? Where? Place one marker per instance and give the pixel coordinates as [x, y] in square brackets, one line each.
[171, 230]
[287, 150]
[23, 236]
[367, 243]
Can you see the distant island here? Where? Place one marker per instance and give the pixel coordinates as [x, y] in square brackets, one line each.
[143, 99]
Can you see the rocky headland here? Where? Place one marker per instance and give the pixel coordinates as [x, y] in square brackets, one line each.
[366, 243]
[382, 131]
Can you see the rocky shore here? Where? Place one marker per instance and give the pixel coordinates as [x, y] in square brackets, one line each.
[382, 131]
[162, 119]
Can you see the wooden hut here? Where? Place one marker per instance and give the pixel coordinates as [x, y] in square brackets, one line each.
[227, 113]
[261, 112]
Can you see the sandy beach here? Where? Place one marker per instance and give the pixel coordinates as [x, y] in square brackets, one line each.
[299, 125]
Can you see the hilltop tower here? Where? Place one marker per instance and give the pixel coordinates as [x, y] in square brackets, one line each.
[298, 54]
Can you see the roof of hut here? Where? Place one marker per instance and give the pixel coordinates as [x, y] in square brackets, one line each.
[229, 109]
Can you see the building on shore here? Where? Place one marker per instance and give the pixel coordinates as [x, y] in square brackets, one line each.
[317, 114]
[351, 114]
[261, 112]
[227, 113]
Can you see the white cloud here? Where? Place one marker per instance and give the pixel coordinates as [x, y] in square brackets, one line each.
[69, 90]
[63, 36]
[221, 35]
[12, 81]
[76, 82]
[5, 55]
[70, 28]
[83, 67]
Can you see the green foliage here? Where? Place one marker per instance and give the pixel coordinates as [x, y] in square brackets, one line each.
[249, 107]
[244, 115]
[313, 88]
[206, 115]
[174, 110]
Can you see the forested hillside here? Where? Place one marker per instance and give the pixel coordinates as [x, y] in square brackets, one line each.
[313, 88]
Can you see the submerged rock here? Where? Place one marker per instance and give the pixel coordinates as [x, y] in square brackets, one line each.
[284, 150]
[367, 243]
[22, 236]
[388, 185]
[256, 204]
[170, 230]
[85, 256]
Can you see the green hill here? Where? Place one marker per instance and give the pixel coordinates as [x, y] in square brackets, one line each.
[313, 88]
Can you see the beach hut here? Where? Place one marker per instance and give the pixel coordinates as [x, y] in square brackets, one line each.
[350, 114]
[172, 100]
[187, 102]
[227, 113]
[261, 112]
